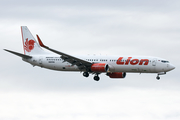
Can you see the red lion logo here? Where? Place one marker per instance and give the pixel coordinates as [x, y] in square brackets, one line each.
[29, 45]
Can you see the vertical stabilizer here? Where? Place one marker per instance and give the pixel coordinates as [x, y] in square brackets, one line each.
[30, 45]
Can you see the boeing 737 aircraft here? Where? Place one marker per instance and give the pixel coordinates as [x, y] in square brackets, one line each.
[113, 66]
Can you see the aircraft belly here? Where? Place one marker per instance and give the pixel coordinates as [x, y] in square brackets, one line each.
[134, 68]
[126, 68]
[144, 69]
[60, 66]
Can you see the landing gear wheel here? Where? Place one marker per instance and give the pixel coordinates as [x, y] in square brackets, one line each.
[96, 78]
[86, 74]
[157, 77]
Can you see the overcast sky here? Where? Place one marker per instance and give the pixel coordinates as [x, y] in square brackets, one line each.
[106, 27]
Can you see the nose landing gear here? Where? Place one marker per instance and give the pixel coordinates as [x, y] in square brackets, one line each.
[157, 77]
[160, 73]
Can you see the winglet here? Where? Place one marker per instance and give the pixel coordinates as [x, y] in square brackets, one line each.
[40, 42]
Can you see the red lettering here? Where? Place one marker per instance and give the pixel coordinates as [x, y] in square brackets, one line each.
[127, 61]
[134, 61]
[144, 60]
[119, 62]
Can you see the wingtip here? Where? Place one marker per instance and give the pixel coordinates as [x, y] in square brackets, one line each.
[40, 42]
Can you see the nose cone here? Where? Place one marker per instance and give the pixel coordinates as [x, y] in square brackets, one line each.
[171, 67]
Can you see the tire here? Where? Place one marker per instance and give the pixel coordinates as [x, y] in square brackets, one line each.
[86, 74]
[96, 78]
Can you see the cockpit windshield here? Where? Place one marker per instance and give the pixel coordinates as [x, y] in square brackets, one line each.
[164, 61]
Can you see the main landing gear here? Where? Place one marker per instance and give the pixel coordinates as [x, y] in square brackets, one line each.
[96, 77]
[86, 74]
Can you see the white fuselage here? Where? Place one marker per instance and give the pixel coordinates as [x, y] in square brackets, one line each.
[137, 64]
[113, 66]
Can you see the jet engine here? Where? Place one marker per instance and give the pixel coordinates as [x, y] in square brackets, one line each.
[99, 67]
[117, 75]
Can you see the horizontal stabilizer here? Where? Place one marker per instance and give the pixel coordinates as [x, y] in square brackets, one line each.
[19, 54]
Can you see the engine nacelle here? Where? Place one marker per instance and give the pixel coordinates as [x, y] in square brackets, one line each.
[110, 68]
[99, 67]
[117, 75]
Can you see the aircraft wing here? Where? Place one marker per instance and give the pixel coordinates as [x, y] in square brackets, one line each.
[19, 54]
[82, 64]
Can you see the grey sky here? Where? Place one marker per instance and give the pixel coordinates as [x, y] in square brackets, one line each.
[116, 27]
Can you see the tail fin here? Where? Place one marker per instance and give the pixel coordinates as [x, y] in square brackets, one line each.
[30, 45]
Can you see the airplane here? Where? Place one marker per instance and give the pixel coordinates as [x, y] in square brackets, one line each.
[112, 66]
